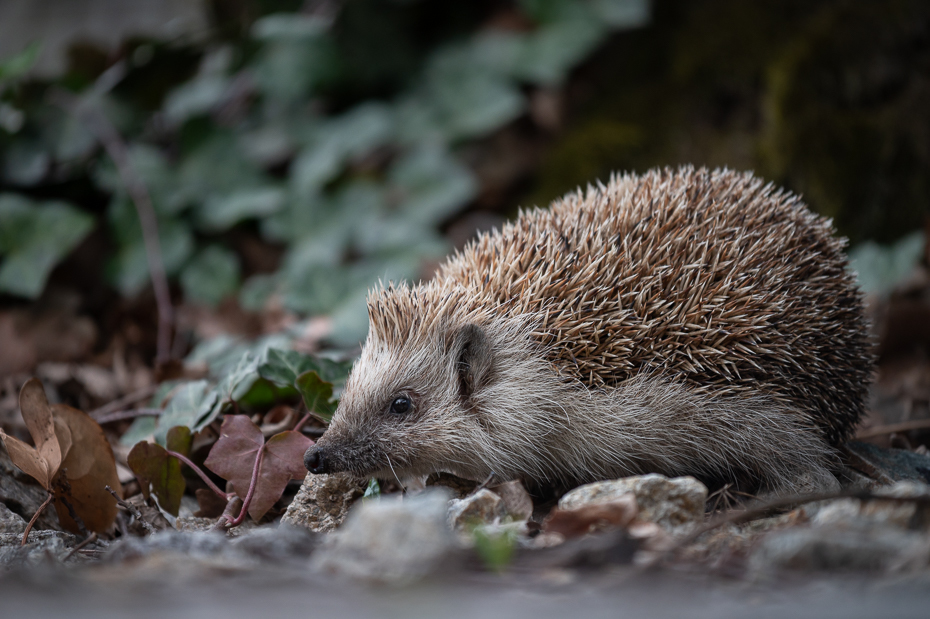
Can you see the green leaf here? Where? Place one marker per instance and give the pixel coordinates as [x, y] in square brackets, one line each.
[433, 185]
[19, 64]
[552, 51]
[221, 212]
[211, 276]
[191, 402]
[257, 290]
[26, 161]
[129, 269]
[622, 13]
[372, 490]
[494, 547]
[234, 386]
[34, 237]
[284, 367]
[140, 429]
[179, 440]
[879, 268]
[471, 100]
[317, 395]
[159, 473]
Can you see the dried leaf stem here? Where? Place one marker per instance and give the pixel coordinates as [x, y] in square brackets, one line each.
[35, 517]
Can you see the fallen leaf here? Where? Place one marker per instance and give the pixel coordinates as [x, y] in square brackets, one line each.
[234, 455]
[88, 467]
[283, 461]
[42, 461]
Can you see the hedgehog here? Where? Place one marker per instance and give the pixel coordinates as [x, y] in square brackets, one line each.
[681, 322]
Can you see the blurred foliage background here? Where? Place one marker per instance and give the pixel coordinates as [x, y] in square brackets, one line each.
[296, 152]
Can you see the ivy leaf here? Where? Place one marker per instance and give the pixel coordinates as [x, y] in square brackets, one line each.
[34, 237]
[211, 276]
[160, 473]
[191, 402]
[284, 367]
[19, 64]
[317, 395]
[434, 185]
[234, 455]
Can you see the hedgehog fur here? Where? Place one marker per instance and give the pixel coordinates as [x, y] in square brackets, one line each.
[680, 322]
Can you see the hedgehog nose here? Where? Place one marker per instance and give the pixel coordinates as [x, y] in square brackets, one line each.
[314, 461]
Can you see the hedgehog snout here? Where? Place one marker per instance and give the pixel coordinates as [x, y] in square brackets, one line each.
[316, 461]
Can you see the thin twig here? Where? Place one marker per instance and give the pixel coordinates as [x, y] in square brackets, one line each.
[201, 474]
[121, 403]
[904, 426]
[745, 515]
[129, 414]
[132, 509]
[116, 148]
[35, 517]
[88, 540]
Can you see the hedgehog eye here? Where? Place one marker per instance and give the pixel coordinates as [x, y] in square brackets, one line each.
[400, 405]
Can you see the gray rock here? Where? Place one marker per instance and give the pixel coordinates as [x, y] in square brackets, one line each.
[482, 507]
[674, 504]
[853, 513]
[893, 464]
[11, 522]
[323, 501]
[42, 548]
[517, 500]
[265, 545]
[839, 548]
[390, 540]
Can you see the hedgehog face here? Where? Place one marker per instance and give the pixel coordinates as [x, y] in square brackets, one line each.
[407, 410]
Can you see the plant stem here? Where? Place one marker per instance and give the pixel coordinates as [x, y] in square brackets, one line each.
[203, 476]
[35, 517]
[248, 497]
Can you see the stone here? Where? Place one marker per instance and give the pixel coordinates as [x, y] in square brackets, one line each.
[483, 506]
[891, 464]
[517, 500]
[391, 540]
[264, 545]
[674, 504]
[43, 548]
[11, 522]
[841, 549]
[853, 513]
[323, 501]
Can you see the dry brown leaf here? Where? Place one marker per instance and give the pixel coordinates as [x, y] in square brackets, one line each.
[89, 467]
[27, 459]
[37, 416]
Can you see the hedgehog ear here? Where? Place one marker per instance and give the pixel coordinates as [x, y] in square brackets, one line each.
[474, 359]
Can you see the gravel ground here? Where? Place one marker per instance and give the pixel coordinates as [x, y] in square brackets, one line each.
[186, 591]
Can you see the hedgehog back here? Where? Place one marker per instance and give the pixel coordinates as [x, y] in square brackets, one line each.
[712, 278]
